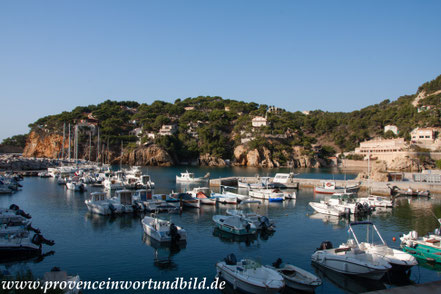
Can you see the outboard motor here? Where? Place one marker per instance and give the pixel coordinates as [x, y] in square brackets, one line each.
[277, 263]
[175, 237]
[23, 214]
[230, 259]
[248, 227]
[14, 207]
[366, 207]
[264, 223]
[30, 228]
[325, 245]
[39, 239]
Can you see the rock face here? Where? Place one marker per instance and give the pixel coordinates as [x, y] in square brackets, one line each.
[264, 158]
[208, 160]
[147, 155]
[43, 145]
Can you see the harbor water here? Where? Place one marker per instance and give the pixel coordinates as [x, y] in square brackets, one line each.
[102, 247]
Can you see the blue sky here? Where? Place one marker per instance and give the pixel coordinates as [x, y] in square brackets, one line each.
[300, 55]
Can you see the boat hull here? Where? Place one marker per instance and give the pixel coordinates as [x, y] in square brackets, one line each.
[424, 252]
[238, 283]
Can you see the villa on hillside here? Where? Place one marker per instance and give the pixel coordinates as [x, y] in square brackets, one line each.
[259, 121]
[392, 128]
[168, 130]
[423, 135]
[136, 132]
[381, 146]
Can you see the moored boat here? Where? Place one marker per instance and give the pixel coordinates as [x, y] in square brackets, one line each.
[330, 187]
[188, 177]
[162, 230]
[427, 247]
[234, 225]
[350, 261]
[249, 276]
[295, 277]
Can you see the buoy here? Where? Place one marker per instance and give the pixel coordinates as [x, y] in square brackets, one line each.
[394, 239]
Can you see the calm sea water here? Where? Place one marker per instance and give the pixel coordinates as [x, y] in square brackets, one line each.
[98, 247]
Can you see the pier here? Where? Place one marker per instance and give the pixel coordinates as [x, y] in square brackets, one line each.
[378, 188]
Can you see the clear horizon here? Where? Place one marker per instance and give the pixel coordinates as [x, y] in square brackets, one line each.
[298, 55]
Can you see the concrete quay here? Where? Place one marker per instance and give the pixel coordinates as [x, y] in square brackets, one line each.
[378, 188]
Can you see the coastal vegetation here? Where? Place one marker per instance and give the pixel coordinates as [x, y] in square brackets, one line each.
[216, 126]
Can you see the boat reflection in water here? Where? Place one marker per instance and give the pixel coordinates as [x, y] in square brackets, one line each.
[102, 222]
[163, 252]
[349, 284]
[231, 238]
[335, 221]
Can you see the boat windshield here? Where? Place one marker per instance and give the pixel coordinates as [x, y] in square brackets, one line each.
[368, 233]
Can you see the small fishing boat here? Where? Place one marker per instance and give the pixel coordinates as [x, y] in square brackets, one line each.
[98, 203]
[426, 247]
[234, 225]
[399, 260]
[377, 201]
[122, 202]
[350, 261]
[21, 244]
[189, 201]
[225, 198]
[76, 186]
[295, 277]
[283, 180]
[261, 222]
[201, 194]
[162, 230]
[190, 178]
[273, 195]
[330, 187]
[249, 276]
[414, 193]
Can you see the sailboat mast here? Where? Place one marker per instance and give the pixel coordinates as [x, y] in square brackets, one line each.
[69, 144]
[90, 143]
[98, 146]
[108, 151]
[76, 144]
[120, 160]
[64, 138]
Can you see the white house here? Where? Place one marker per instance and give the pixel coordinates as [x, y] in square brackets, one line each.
[136, 132]
[259, 121]
[168, 130]
[189, 108]
[423, 135]
[392, 128]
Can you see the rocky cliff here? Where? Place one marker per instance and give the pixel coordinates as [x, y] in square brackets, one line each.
[243, 156]
[147, 155]
[43, 145]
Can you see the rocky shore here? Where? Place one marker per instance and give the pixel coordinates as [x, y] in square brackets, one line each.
[16, 162]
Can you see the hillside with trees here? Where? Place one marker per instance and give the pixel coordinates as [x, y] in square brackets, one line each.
[217, 126]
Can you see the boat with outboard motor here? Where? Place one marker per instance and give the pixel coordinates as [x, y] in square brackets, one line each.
[295, 277]
[341, 204]
[350, 261]
[234, 224]
[398, 259]
[249, 276]
[272, 195]
[377, 201]
[261, 222]
[162, 230]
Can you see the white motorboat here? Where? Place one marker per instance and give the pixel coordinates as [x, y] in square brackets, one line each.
[283, 179]
[61, 181]
[399, 260]
[234, 225]
[190, 178]
[295, 277]
[201, 194]
[57, 275]
[163, 230]
[341, 204]
[330, 187]
[351, 261]
[240, 197]
[114, 182]
[377, 201]
[98, 203]
[261, 222]
[75, 185]
[225, 198]
[249, 276]
[271, 194]
[122, 202]
[21, 244]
